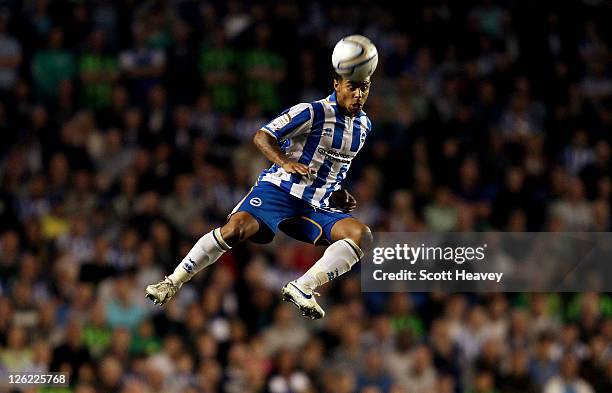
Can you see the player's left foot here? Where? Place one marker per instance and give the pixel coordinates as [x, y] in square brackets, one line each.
[161, 292]
[303, 299]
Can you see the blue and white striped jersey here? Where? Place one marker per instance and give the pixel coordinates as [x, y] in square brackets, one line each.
[318, 135]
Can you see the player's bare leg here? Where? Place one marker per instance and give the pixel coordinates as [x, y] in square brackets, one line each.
[348, 236]
[204, 253]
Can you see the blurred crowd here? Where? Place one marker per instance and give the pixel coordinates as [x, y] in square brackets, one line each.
[126, 129]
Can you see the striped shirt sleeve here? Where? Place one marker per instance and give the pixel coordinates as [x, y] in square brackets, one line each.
[291, 122]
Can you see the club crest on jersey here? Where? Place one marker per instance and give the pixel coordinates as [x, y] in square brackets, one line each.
[328, 132]
[255, 202]
[281, 121]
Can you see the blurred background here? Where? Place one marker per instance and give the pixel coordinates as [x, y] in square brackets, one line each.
[125, 135]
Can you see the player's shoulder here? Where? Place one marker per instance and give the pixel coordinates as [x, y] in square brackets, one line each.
[323, 106]
[365, 120]
[300, 107]
[330, 100]
[302, 110]
[295, 115]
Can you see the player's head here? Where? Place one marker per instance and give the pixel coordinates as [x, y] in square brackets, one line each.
[351, 95]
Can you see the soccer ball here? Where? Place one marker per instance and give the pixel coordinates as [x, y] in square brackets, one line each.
[355, 58]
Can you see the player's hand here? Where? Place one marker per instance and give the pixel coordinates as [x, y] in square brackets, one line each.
[343, 200]
[296, 167]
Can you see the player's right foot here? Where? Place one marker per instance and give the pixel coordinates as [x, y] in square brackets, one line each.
[303, 299]
[161, 292]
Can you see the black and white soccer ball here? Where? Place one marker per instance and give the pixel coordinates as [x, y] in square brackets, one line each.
[355, 58]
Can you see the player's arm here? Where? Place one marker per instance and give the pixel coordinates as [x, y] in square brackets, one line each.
[343, 200]
[268, 145]
[289, 124]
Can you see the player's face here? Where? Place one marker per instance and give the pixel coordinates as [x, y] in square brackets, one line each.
[352, 95]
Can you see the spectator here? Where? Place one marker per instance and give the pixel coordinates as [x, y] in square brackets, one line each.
[286, 378]
[543, 365]
[110, 375]
[10, 57]
[219, 66]
[442, 215]
[517, 379]
[98, 71]
[569, 379]
[579, 154]
[420, 376]
[182, 76]
[183, 201]
[284, 333]
[263, 69]
[596, 170]
[71, 355]
[142, 65]
[573, 210]
[484, 383]
[373, 373]
[52, 66]
[122, 310]
[17, 355]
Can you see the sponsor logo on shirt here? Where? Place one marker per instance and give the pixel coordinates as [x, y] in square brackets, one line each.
[336, 156]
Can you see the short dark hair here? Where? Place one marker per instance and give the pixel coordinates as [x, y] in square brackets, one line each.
[337, 77]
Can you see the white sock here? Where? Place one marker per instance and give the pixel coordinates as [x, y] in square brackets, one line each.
[337, 260]
[204, 253]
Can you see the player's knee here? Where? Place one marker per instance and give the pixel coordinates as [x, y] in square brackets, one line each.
[366, 237]
[237, 229]
[360, 234]
[233, 232]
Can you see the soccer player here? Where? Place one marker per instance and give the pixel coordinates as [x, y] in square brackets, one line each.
[312, 146]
